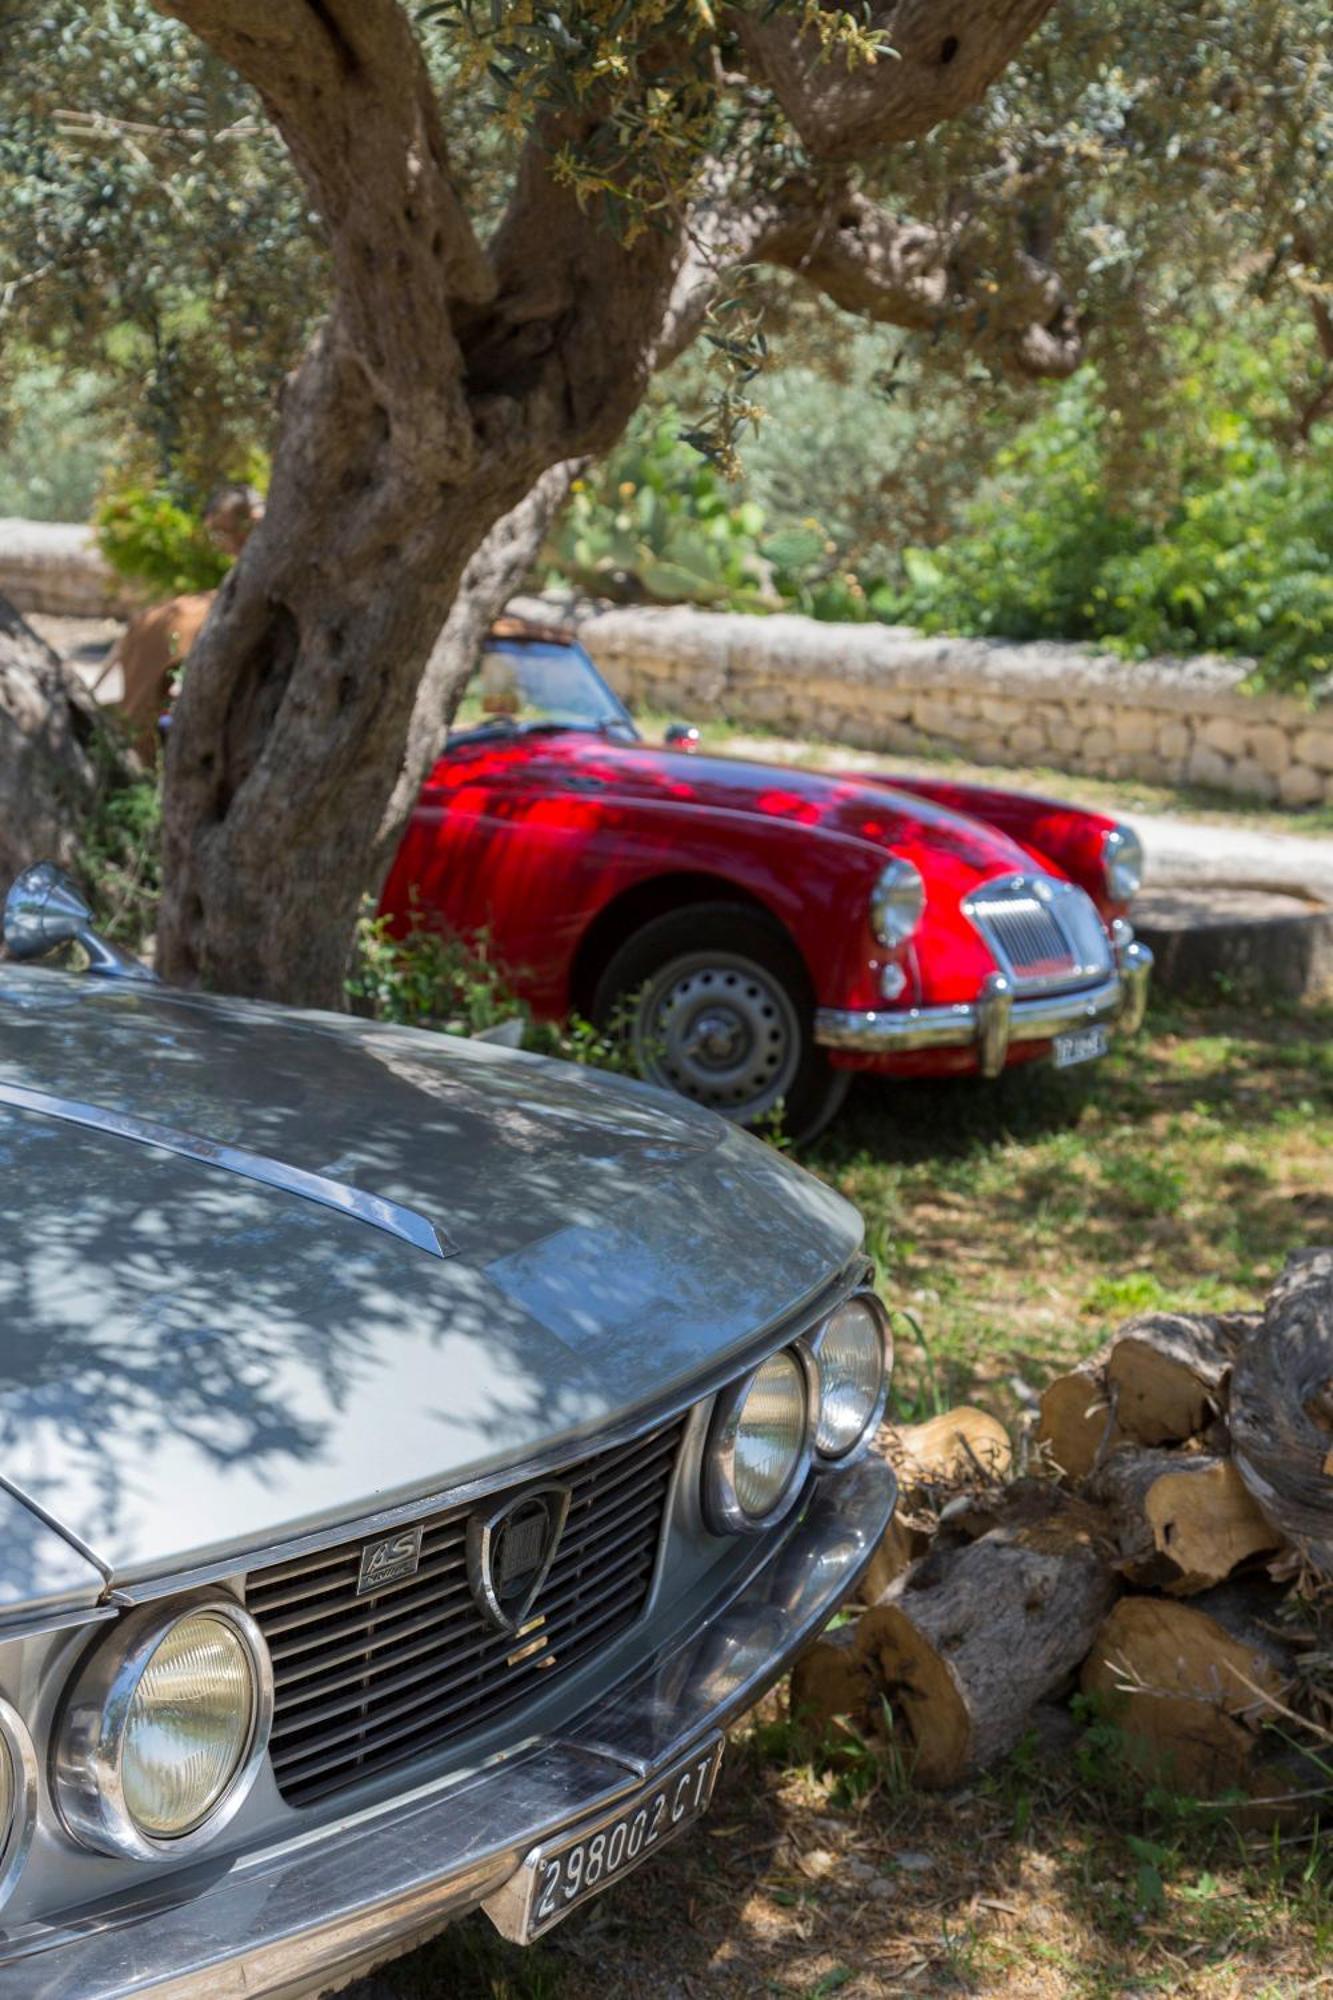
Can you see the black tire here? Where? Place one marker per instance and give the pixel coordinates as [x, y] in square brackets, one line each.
[717, 1004]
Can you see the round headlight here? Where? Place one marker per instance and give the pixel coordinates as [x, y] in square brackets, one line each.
[18, 1796]
[897, 902]
[165, 1729]
[760, 1446]
[188, 1727]
[1122, 863]
[852, 1350]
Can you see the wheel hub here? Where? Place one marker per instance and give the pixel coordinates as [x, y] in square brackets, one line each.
[721, 1029]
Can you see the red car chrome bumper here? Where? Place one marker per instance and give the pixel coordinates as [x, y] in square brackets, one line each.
[996, 1023]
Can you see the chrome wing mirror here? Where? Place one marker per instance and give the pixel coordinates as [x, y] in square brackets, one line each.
[44, 910]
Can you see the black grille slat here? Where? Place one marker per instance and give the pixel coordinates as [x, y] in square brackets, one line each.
[362, 1683]
[413, 1740]
[459, 1638]
[399, 1692]
[321, 1746]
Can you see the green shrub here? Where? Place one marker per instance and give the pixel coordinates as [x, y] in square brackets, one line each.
[121, 860]
[1241, 561]
[144, 533]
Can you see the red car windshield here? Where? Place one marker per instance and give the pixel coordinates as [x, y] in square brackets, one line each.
[527, 686]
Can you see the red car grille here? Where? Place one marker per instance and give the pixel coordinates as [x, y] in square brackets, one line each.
[363, 1682]
[1050, 936]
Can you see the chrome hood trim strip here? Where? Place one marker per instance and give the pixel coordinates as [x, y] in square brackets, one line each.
[389, 1216]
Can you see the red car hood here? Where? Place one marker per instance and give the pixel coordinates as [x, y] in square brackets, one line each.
[854, 805]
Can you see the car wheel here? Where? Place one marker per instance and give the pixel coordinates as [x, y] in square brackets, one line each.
[716, 1003]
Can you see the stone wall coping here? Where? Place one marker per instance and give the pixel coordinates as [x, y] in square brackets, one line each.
[898, 656]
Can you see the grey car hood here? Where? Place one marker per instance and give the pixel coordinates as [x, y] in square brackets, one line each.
[193, 1363]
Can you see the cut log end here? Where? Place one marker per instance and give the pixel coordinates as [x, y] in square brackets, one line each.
[1192, 1687]
[1206, 1523]
[1077, 1423]
[913, 1670]
[1183, 1521]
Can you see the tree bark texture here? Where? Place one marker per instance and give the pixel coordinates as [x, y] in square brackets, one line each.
[1281, 1408]
[51, 771]
[448, 382]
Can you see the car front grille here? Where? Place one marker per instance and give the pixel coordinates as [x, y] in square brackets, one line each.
[366, 1681]
[1042, 932]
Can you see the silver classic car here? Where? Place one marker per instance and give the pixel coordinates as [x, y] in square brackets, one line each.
[414, 1455]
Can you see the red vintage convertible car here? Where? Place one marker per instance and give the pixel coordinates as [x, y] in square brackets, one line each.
[765, 932]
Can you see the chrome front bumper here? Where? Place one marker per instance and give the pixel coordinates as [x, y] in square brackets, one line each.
[997, 1021]
[307, 1916]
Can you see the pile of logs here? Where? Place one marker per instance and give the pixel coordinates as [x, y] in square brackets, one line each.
[1168, 1550]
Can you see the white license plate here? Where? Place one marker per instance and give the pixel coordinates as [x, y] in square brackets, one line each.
[557, 1877]
[1083, 1045]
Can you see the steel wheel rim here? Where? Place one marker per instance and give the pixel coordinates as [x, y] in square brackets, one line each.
[720, 1029]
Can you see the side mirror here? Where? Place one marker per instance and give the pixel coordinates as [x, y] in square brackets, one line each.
[681, 736]
[44, 910]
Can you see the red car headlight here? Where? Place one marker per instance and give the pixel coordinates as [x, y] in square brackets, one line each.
[897, 902]
[1122, 863]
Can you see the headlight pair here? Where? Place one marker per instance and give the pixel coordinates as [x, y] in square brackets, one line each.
[164, 1729]
[817, 1401]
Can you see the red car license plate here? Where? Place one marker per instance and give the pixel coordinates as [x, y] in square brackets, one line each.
[557, 1877]
[1083, 1045]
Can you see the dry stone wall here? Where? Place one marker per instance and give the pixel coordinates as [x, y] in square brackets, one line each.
[889, 688]
[56, 567]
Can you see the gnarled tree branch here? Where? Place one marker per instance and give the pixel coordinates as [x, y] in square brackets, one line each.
[940, 58]
[911, 275]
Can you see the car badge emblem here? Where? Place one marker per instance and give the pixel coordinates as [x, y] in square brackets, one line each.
[510, 1551]
[389, 1561]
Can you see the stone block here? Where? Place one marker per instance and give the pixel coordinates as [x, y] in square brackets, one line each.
[1097, 749]
[1173, 741]
[1315, 748]
[1207, 766]
[1270, 747]
[1300, 786]
[1249, 777]
[1027, 741]
[1135, 730]
[1223, 732]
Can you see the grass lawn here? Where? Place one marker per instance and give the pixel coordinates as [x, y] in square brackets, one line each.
[1015, 1224]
